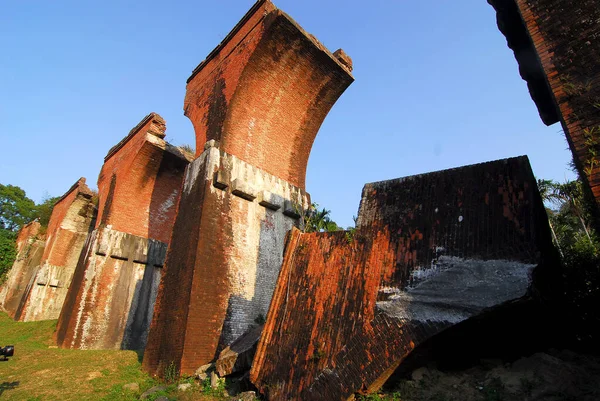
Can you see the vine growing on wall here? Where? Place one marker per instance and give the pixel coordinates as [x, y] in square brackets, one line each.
[591, 136]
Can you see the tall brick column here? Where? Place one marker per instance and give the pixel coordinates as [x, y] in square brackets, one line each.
[557, 45]
[256, 104]
[111, 300]
[70, 223]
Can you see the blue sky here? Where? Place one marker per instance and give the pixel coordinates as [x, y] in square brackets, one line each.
[436, 87]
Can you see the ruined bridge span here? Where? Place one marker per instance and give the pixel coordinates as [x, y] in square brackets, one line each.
[183, 253]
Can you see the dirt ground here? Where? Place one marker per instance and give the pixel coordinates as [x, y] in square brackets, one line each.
[550, 376]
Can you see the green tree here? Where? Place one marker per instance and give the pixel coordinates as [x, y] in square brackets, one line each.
[316, 220]
[569, 218]
[8, 251]
[16, 209]
[43, 211]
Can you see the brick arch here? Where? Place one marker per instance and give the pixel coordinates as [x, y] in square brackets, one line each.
[265, 91]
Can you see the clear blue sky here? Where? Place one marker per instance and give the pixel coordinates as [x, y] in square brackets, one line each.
[436, 87]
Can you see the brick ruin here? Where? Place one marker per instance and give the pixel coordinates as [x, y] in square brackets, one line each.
[557, 46]
[110, 304]
[188, 254]
[30, 247]
[429, 251]
[42, 273]
[256, 104]
[70, 223]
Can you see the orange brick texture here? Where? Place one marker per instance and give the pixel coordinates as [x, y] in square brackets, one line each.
[30, 247]
[113, 288]
[264, 92]
[564, 36]
[140, 181]
[259, 98]
[348, 308]
[70, 223]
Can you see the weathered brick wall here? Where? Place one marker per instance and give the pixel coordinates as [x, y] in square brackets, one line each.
[70, 223]
[223, 261]
[111, 301]
[564, 37]
[264, 92]
[30, 247]
[430, 251]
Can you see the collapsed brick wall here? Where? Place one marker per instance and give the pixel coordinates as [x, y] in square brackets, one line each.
[30, 247]
[223, 261]
[258, 101]
[557, 44]
[111, 301]
[430, 251]
[70, 223]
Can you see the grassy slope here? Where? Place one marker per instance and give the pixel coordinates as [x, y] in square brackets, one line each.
[38, 372]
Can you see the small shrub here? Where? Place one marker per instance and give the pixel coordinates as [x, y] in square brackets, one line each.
[171, 373]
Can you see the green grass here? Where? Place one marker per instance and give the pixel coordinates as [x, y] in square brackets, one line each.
[38, 372]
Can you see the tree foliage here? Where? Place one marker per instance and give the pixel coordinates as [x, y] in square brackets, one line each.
[316, 220]
[8, 251]
[16, 209]
[579, 246]
[43, 211]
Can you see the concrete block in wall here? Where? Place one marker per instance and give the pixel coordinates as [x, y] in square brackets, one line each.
[243, 189]
[120, 317]
[291, 209]
[222, 179]
[270, 200]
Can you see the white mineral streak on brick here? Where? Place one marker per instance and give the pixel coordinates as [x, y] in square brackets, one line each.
[90, 251]
[74, 221]
[256, 254]
[455, 289]
[164, 208]
[118, 283]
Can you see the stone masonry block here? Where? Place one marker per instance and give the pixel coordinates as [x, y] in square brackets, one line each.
[222, 179]
[270, 200]
[243, 189]
[291, 209]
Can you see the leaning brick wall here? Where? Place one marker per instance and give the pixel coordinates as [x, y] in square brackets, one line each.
[430, 251]
[224, 259]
